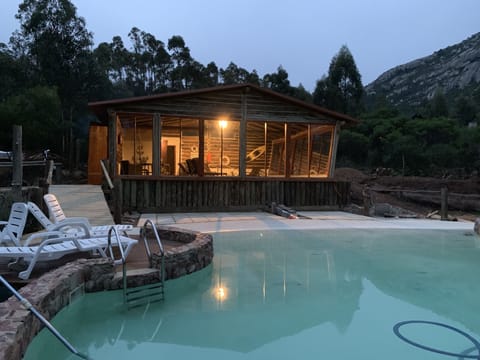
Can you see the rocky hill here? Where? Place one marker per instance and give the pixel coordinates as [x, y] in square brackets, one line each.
[451, 70]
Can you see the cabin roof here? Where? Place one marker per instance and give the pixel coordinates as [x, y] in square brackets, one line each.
[101, 108]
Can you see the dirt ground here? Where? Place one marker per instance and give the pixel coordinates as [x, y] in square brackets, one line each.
[385, 189]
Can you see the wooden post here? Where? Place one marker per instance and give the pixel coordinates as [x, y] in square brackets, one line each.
[50, 167]
[288, 149]
[243, 137]
[78, 147]
[17, 176]
[157, 146]
[368, 205]
[201, 147]
[117, 200]
[332, 156]
[112, 142]
[444, 203]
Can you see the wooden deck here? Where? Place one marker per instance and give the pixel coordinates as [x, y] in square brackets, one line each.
[83, 201]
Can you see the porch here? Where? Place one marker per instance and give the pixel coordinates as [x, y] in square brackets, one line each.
[238, 147]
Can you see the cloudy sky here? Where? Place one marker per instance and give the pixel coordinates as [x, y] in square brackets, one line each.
[300, 35]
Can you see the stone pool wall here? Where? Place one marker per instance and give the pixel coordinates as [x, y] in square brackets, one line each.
[184, 259]
[54, 290]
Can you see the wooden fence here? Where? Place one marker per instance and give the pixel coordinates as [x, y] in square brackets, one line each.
[187, 194]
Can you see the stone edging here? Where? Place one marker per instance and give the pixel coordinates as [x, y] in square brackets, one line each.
[52, 291]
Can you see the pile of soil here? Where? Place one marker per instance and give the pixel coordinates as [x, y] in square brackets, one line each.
[392, 190]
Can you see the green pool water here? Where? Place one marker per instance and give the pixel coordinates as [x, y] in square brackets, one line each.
[333, 294]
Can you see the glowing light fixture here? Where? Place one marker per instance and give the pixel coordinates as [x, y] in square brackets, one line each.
[223, 124]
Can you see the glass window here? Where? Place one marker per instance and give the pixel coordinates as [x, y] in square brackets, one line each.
[321, 147]
[183, 135]
[308, 149]
[275, 149]
[170, 149]
[256, 154]
[299, 149]
[134, 145]
[221, 148]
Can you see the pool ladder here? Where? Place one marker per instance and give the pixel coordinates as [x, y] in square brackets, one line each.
[139, 295]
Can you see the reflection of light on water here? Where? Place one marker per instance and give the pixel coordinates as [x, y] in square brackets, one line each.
[221, 293]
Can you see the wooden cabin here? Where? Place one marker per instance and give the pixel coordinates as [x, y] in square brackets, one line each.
[237, 147]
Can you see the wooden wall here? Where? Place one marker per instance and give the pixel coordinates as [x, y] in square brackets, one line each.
[97, 150]
[215, 194]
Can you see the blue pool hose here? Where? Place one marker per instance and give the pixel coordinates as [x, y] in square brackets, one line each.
[463, 355]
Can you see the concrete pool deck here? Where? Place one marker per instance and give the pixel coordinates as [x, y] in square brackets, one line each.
[88, 201]
[236, 221]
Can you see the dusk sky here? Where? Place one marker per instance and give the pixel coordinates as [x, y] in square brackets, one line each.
[300, 35]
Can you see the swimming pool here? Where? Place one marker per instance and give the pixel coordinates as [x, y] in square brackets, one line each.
[330, 294]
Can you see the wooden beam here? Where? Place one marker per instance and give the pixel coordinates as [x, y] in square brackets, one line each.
[287, 170]
[112, 142]
[333, 150]
[157, 146]
[17, 171]
[201, 147]
[243, 137]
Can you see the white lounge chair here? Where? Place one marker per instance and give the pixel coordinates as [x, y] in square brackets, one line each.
[79, 227]
[56, 245]
[13, 228]
[57, 217]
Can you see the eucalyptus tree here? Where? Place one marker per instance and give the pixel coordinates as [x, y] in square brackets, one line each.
[233, 74]
[181, 76]
[120, 59]
[278, 81]
[301, 93]
[150, 63]
[342, 89]
[159, 64]
[212, 74]
[37, 109]
[58, 44]
[13, 76]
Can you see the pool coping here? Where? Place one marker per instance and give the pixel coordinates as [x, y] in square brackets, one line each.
[238, 221]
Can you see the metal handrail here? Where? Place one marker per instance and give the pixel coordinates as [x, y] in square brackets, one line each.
[122, 254]
[44, 321]
[157, 237]
[143, 234]
[117, 237]
[106, 174]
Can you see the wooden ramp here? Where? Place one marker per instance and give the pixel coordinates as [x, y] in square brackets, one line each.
[84, 201]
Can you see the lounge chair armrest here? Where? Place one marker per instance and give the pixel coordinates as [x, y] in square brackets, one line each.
[78, 224]
[46, 236]
[75, 220]
[60, 239]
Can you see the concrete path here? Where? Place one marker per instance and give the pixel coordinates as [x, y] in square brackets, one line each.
[83, 201]
[88, 201]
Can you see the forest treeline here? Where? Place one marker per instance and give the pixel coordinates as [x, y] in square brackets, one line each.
[50, 70]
